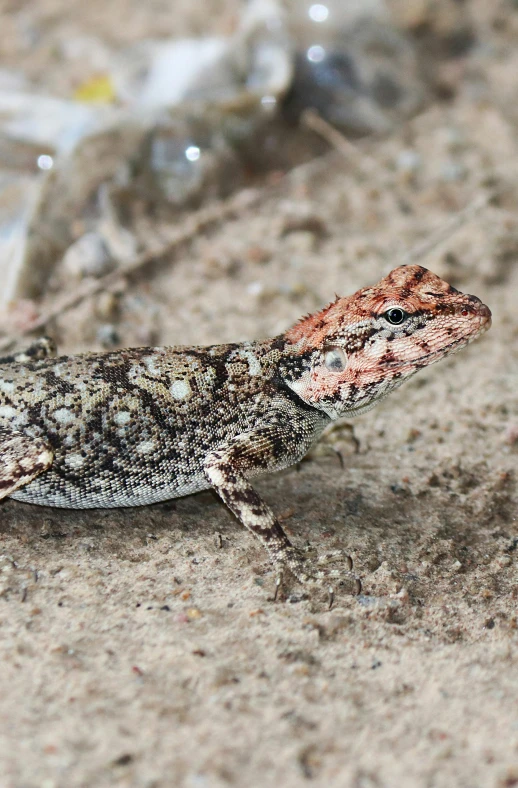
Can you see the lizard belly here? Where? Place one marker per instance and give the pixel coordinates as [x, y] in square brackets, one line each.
[52, 489]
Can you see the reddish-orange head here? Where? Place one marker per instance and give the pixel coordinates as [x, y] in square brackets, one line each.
[359, 348]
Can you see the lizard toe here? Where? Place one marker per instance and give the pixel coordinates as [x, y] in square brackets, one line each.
[316, 571]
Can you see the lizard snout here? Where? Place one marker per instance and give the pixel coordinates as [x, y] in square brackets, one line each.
[476, 308]
[485, 314]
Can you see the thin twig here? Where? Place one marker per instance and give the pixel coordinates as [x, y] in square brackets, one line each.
[340, 143]
[200, 220]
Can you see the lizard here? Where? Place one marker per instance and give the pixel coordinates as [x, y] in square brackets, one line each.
[142, 425]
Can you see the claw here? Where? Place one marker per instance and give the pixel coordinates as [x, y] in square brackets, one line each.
[278, 581]
[358, 584]
[331, 598]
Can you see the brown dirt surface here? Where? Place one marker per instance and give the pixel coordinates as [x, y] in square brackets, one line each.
[140, 649]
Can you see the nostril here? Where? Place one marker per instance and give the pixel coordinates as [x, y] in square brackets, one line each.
[475, 308]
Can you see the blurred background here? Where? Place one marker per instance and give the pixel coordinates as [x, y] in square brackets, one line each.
[118, 119]
[177, 172]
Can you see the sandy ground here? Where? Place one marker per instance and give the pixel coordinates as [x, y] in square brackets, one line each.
[139, 649]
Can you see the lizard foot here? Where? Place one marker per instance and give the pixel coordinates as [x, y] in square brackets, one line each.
[316, 571]
[333, 556]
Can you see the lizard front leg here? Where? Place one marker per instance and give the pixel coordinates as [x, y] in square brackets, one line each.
[253, 452]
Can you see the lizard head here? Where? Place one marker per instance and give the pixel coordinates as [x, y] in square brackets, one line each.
[350, 355]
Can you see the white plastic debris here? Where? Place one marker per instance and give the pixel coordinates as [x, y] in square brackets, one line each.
[183, 109]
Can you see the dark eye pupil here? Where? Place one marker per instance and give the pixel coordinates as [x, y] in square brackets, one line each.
[396, 316]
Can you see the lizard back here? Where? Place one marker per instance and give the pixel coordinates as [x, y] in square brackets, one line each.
[133, 427]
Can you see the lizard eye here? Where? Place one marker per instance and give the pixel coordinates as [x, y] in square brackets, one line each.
[395, 316]
[335, 359]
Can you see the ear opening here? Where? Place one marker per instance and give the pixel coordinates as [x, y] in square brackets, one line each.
[335, 359]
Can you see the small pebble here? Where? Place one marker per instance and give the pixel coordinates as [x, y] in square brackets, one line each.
[107, 335]
[409, 161]
[305, 223]
[453, 171]
[454, 138]
[88, 256]
[107, 305]
[255, 288]
[301, 242]
[511, 434]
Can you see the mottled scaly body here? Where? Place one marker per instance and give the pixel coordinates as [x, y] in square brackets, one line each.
[143, 425]
[135, 426]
